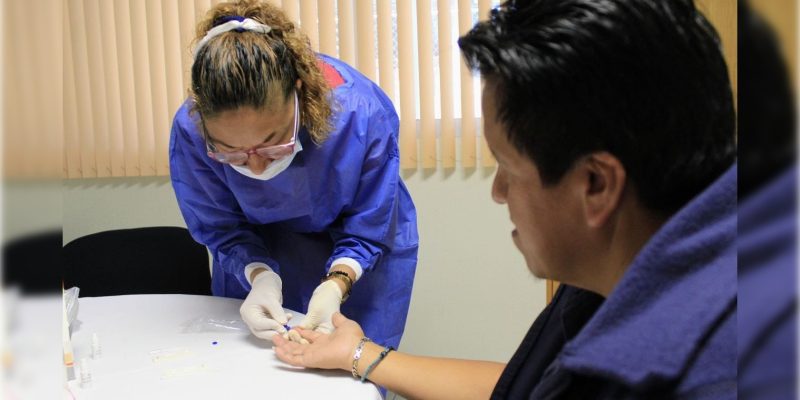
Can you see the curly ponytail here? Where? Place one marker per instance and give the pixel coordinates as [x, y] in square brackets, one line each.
[237, 69]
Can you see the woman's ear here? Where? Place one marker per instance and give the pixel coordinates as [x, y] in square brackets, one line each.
[298, 84]
[604, 184]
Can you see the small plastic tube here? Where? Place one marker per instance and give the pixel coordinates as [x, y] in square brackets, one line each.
[97, 351]
[86, 374]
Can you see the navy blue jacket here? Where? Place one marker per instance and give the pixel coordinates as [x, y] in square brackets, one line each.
[668, 329]
[767, 320]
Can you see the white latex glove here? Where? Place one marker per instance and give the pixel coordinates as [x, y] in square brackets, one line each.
[262, 310]
[325, 301]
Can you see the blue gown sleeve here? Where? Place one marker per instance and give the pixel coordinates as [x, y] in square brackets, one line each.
[367, 225]
[211, 212]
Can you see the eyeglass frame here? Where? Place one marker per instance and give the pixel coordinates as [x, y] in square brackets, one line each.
[273, 153]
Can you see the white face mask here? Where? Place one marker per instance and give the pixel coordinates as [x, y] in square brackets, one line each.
[274, 168]
[277, 166]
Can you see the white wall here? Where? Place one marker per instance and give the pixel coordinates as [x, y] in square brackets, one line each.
[473, 296]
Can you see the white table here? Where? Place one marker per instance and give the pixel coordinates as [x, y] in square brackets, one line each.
[147, 353]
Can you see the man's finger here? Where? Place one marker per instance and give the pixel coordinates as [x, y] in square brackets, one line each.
[324, 327]
[295, 336]
[339, 319]
[311, 336]
[278, 340]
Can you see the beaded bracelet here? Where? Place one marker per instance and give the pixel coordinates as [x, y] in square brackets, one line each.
[357, 356]
[380, 358]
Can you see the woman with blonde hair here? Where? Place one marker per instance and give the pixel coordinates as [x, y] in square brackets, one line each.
[285, 165]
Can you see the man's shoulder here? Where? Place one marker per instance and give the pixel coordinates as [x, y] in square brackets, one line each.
[562, 319]
[713, 372]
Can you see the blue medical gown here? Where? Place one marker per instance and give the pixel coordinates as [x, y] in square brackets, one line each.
[343, 198]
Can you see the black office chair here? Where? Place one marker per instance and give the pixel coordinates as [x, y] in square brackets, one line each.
[32, 263]
[152, 260]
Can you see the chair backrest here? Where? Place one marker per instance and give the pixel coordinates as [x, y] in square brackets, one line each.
[151, 260]
[32, 263]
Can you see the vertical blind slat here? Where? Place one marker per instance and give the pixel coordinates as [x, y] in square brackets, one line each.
[426, 89]
[447, 123]
[10, 106]
[97, 82]
[467, 92]
[405, 59]
[52, 13]
[71, 141]
[365, 35]
[130, 121]
[22, 121]
[114, 109]
[347, 38]
[82, 90]
[51, 43]
[42, 157]
[174, 60]
[24, 156]
[308, 14]
[200, 9]
[292, 10]
[174, 77]
[144, 98]
[386, 49]
[327, 27]
[487, 159]
[187, 22]
[158, 85]
[55, 16]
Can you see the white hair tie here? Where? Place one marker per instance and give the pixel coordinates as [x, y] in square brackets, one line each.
[237, 23]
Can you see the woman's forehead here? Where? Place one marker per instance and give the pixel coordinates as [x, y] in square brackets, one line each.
[243, 125]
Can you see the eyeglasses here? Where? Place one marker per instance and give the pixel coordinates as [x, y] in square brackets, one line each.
[271, 152]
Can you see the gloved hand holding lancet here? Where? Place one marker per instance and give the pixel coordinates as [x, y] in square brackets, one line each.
[262, 310]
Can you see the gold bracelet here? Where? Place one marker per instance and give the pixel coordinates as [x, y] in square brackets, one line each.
[341, 275]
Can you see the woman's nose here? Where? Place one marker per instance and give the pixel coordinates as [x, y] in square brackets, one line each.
[257, 164]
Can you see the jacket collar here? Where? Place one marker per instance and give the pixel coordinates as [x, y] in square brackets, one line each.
[767, 258]
[675, 291]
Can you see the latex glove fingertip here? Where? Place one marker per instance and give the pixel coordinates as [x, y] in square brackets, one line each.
[295, 337]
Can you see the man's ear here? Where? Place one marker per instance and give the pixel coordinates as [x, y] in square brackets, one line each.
[603, 179]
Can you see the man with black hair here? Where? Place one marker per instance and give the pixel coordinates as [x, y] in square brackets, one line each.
[612, 123]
